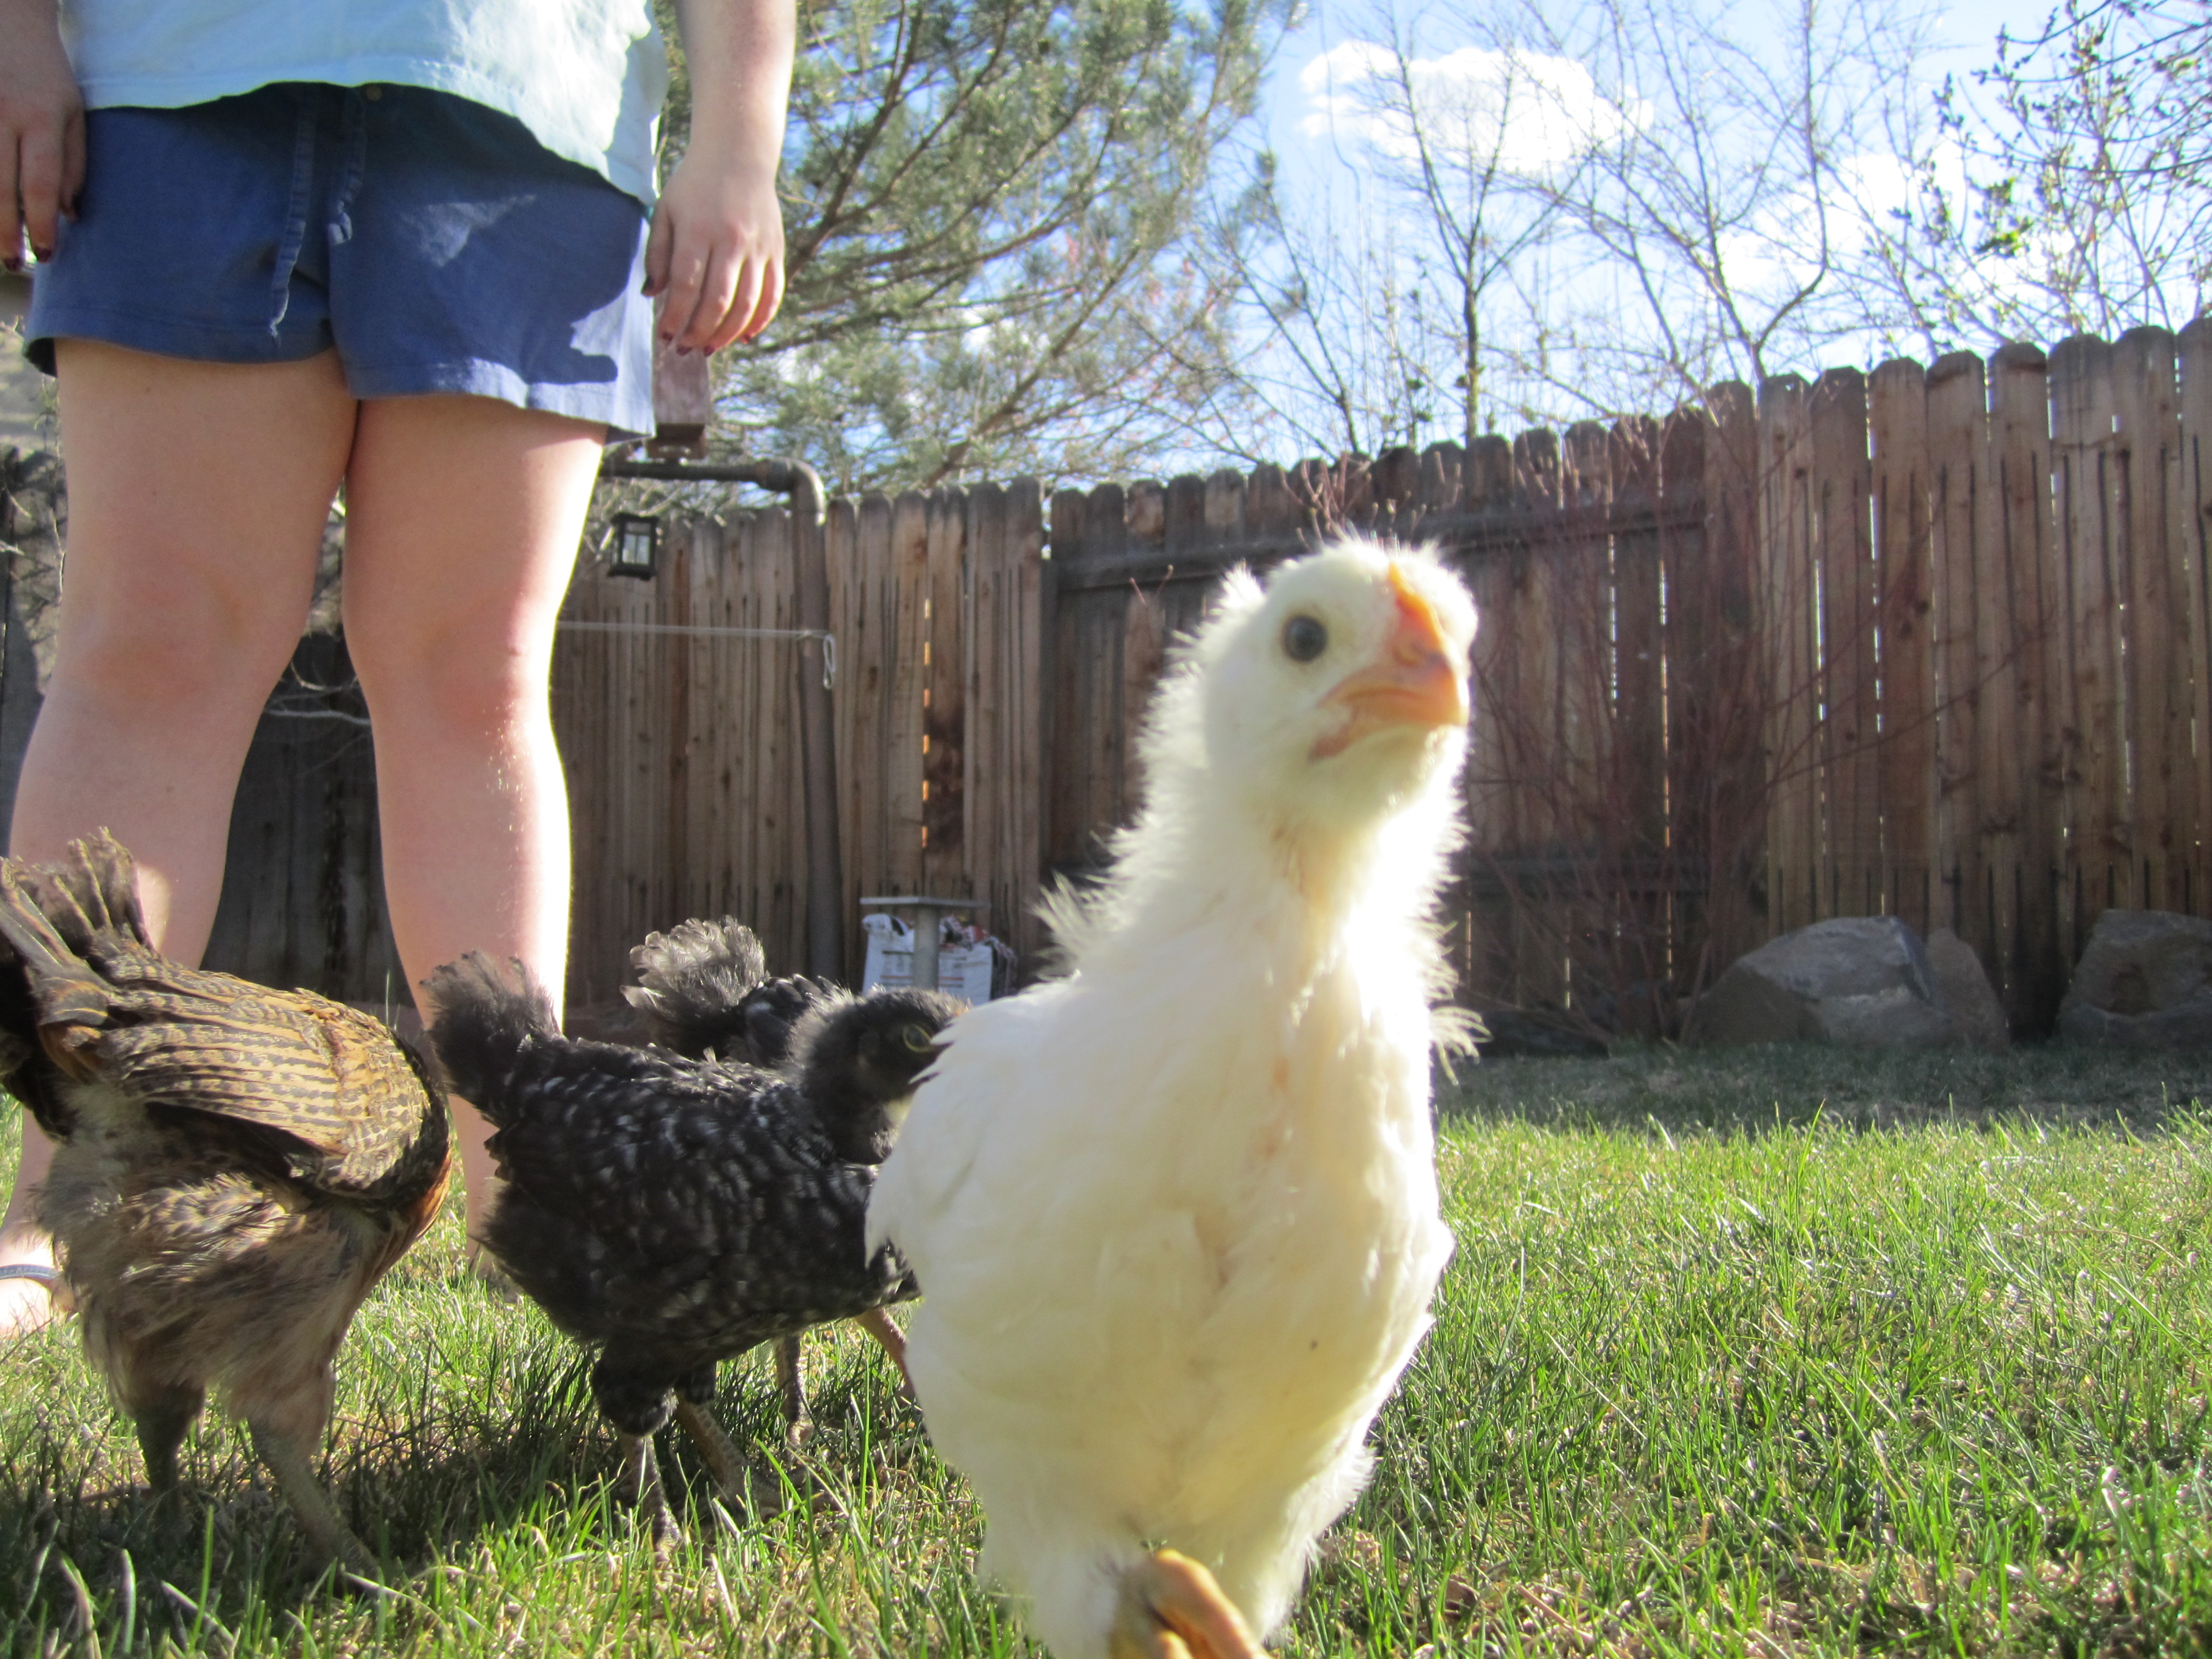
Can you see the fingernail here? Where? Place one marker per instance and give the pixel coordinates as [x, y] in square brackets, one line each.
[42, 253]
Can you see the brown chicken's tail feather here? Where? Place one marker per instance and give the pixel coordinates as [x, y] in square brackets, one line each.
[65, 990]
[91, 896]
[483, 1025]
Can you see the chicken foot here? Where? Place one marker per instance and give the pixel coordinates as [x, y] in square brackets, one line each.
[295, 1479]
[720, 1454]
[161, 1422]
[799, 1420]
[639, 1482]
[877, 1322]
[1171, 1608]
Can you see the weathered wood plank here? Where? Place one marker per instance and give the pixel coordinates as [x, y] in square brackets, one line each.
[1788, 619]
[1024, 667]
[2100, 850]
[1956, 442]
[1064, 803]
[902, 714]
[1725, 759]
[991, 707]
[870, 672]
[1850, 670]
[944, 860]
[1535, 739]
[2001, 759]
[2019, 466]
[2193, 530]
[1492, 953]
[1905, 608]
[790, 662]
[2160, 649]
[1637, 763]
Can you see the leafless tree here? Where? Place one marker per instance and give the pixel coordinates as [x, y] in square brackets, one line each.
[1603, 207]
[2067, 185]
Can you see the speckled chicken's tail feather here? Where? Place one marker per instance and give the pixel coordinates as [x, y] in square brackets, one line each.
[692, 980]
[483, 1027]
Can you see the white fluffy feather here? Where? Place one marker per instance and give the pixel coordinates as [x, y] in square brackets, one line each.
[1174, 1215]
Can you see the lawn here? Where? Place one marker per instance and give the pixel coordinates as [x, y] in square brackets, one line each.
[1796, 1351]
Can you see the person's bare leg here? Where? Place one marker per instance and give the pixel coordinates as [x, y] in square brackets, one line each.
[462, 519]
[197, 496]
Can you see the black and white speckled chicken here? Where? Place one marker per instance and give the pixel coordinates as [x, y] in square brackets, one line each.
[704, 990]
[673, 1213]
[234, 1167]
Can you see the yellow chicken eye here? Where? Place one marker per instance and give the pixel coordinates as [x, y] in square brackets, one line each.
[1305, 638]
[920, 1038]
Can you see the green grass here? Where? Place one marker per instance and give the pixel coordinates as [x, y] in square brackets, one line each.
[1782, 1351]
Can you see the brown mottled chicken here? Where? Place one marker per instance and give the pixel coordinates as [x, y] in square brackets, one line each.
[234, 1167]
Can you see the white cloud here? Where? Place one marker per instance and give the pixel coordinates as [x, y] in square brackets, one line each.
[1532, 111]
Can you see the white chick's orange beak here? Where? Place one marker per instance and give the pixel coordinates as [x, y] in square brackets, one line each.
[1415, 682]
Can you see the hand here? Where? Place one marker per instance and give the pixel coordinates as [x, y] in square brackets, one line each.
[716, 251]
[41, 131]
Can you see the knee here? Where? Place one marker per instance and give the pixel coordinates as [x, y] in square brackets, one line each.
[463, 686]
[139, 667]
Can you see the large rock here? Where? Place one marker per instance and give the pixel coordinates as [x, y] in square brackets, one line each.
[2144, 981]
[1964, 992]
[1863, 980]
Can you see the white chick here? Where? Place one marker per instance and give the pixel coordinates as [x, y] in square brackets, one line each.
[1174, 1215]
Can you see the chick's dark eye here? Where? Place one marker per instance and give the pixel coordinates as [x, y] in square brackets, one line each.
[920, 1038]
[1305, 638]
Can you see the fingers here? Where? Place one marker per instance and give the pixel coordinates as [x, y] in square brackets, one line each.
[660, 244]
[41, 134]
[11, 219]
[50, 168]
[713, 257]
[770, 301]
[708, 301]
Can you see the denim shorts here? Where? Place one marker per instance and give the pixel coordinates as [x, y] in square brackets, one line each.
[433, 241]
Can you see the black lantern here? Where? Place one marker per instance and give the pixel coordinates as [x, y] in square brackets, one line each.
[636, 548]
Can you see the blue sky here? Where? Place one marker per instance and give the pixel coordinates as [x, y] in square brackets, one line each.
[1324, 163]
[1969, 29]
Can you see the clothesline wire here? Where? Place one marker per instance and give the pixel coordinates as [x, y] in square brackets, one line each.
[701, 630]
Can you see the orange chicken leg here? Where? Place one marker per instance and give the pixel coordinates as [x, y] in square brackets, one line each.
[1171, 1608]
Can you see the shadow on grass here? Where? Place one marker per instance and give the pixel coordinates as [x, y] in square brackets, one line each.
[416, 1482]
[437, 1480]
[1754, 1091]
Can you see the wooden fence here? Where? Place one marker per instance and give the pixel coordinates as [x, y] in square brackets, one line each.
[1930, 642]
[675, 703]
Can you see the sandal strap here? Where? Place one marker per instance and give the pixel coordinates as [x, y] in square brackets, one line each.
[49, 1277]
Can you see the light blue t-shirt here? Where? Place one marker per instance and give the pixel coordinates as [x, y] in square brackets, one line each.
[585, 76]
